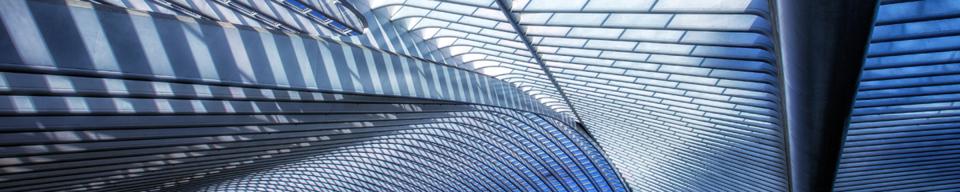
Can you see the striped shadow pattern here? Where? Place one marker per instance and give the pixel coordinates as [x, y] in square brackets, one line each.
[295, 16]
[331, 142]
[101, 98]
[300, 17]
[73, 37]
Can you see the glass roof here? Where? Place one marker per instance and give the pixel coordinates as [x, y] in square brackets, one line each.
[683, 95]
[310, 17]
[903, 132]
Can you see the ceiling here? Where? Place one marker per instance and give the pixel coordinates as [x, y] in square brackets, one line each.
[682, 95]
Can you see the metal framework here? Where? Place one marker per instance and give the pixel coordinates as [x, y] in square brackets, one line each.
[535, 55]
[333, 16]
[480, 95]
[701, 73]
[110, 99]
[903, 132]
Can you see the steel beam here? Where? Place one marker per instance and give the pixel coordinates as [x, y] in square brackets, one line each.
[823, 45]
[536, 57]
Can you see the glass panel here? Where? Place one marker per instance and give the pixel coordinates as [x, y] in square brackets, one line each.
[444, 16]
[409, 11]
[664, 48]
[595, 32]
[652, 35]
[490, 14]
[547, 30]
[619, 5]
[565, 42]
[631, 20]
[611, 45]
[456, 8]
[499, 34]
[726, 38]
[581, 19]
[479, 21]
[553, 5]
[533, 18]
[719, 22]
[711, 5]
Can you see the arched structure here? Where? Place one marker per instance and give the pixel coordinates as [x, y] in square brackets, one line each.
[479, 95]
[103, 97]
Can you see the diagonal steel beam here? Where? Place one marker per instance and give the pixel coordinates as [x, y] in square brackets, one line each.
[536, 57]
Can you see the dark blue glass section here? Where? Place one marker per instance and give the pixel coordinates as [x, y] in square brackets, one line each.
[904, 131]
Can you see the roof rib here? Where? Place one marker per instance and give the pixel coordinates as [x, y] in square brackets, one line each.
[536, 55]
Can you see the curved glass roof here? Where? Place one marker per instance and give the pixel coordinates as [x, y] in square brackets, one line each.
[103, 98]
[903, 133]
[313, 17]
[682, 95]
[678, 95]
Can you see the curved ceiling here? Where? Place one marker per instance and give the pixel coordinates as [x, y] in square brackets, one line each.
[682, 95]
[109, 99]
[692, 85]
[903, 132]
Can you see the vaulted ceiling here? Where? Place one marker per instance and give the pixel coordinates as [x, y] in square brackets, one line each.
[686, 95]
[681, 94]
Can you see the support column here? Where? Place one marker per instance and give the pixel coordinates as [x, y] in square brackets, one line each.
[823, 44]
